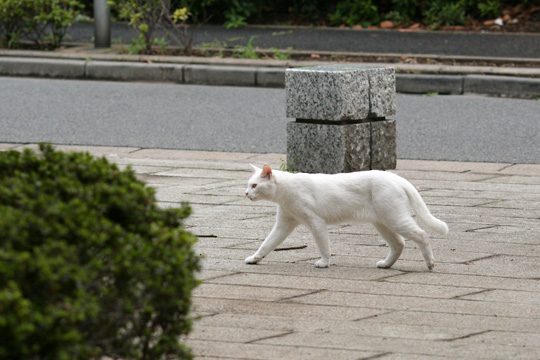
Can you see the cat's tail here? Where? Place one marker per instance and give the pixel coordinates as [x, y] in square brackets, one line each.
[422, 211]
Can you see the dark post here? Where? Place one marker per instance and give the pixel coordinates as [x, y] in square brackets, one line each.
[102, 20]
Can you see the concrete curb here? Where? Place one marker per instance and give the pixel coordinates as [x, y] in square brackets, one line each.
[271, 75]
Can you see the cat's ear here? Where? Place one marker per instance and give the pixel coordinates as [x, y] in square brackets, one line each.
[254, 167]
[266, 172]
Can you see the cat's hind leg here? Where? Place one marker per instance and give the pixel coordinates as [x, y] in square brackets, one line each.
[395, 243]
[409, 229]
[282, 228]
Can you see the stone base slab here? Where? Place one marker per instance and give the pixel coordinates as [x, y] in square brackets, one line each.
[329, 148]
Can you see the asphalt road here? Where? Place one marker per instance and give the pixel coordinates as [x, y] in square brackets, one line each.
[463, 128]
[508, 45]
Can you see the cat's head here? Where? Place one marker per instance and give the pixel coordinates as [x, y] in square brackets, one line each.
[262, 184]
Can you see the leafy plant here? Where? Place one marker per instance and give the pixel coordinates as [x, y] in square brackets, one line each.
[355, 12]
[90, 267]
[247, 52]
[445, 12]
[403, 11]
[237, 13]
[281, 55]
[44, 22]
[147, 16]
[489, 8]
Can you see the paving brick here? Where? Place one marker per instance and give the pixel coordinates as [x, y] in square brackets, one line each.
[408, 346]
[474, 323]
[291, 310]
[450, 176]
[246, 292]
[206, 274]
[229, 333]
[317, 325]
[458, 280]
[523, 169]
[515, 179]
[156, 154]
[521, 339]
[401, 356]
[452, 166]
[507, 296]
[357, 286]
[176, 194]
[420, 304]
[240, 254]
[223, 350]
[447, 191]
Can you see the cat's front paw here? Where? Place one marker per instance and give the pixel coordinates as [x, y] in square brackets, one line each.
[252, 260]
[322, 263]
[383, 264]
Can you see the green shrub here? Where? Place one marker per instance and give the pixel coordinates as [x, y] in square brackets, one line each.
[403, 11]
[89, 265]
[44, 22]
[148, 16]
[355, 12]
[445, 12]
[236, 13]
[489, 8]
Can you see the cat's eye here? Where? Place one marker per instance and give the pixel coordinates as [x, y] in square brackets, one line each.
[253, 186]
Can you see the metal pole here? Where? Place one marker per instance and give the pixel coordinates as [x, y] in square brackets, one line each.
[102, 20]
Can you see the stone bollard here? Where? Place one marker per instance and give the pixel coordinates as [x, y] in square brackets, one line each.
[344, 118]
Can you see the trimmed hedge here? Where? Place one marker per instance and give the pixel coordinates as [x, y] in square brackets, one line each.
[89, 265]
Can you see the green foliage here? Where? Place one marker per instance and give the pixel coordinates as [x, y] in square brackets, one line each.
[281, 55]
[445, 12]
[90, 267]
[236, 13]
[489, 8]
[45, 22]
[355, 12]
[147, 16]
[247, 52]
[403, 11]
[312, 11]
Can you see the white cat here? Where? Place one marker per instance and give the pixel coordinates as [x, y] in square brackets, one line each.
[316, 200]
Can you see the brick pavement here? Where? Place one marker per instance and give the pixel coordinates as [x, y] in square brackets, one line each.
[482, 301]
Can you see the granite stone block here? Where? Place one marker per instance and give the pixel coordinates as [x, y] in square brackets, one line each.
[382, 92]
[340, 92]
[323, 148]
[334, 148]
[383, 145]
